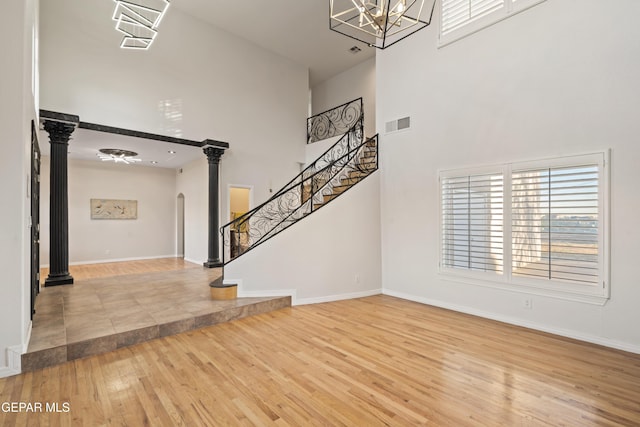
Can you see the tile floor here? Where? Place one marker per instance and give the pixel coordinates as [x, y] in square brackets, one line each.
[98, 315]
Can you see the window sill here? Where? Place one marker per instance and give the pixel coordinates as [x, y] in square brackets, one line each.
[596, 296]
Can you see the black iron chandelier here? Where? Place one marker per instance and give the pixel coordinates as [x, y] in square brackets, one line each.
[380, 23]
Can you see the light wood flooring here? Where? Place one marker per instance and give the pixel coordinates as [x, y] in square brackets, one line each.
[366, 362]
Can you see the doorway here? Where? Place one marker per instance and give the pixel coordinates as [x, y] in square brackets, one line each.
[180, 226]
[239, 203]
[35, 217]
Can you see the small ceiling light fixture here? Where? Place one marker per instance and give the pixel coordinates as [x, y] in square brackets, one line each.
[118, 156]
[139, 21]
[380, 23]
[171, 152]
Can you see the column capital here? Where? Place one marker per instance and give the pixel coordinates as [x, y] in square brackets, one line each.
[213, 154]
[59, 132]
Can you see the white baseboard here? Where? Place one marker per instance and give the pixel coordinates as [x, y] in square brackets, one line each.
[194, 261]
[104, 261]
[257, 294]
[338, 297]
[8, 372]
[270, 293]
[14, 356]
[293, 294]
[14, 361]
[594, 339]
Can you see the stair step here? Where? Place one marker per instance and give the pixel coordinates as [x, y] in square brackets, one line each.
[357, 174]
[341, 188]
[329, 197]
[366, 164]
[371, 163]
[350, 181]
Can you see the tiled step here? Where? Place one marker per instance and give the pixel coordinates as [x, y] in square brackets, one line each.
[96, 316]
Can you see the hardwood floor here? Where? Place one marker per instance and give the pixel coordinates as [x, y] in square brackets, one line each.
[365, 362]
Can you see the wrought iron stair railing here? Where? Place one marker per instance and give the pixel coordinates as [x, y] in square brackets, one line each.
[334, 122]
[342, 166]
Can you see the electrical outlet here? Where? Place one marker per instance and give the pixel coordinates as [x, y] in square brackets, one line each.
[528, 303]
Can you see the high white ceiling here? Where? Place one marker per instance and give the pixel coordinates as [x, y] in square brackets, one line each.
[296, 29]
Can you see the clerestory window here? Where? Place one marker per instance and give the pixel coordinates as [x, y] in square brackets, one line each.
[459, 18]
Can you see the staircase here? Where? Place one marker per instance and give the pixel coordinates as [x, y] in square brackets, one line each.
[350, 160]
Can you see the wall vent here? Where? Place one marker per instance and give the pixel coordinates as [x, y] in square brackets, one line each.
[397, 125]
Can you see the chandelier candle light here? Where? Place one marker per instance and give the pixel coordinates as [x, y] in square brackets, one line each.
[380, 23]
[139, 21]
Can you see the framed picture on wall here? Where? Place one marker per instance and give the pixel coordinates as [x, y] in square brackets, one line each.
[114, 209]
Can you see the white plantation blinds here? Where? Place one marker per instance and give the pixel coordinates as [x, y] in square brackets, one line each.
[540, 225]
[472, 217]
[555, 223]
[459, 18]
[457, 13]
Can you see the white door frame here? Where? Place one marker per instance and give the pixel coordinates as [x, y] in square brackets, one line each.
[229, 187]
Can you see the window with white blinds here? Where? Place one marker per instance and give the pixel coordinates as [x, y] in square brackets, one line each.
[555, 223]
[459, 18]
[457, 13]
[472, 218]
[542, 225]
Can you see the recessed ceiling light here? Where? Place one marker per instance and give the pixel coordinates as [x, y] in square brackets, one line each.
[154, 162]
[171, 152]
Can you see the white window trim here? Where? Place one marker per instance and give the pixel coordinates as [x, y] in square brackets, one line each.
[557, 289]
[510, 8]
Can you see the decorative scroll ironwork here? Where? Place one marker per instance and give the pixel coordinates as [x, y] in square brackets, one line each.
[337, 121]
[344, 164]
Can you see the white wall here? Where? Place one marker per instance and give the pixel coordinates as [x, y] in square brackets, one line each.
[356, 82]
[560, 78]
[222, 87]
[192, 183]
[334, 253]
[317, 149]
[17, 78]
[151, 235]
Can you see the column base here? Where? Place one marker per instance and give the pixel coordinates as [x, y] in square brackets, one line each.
[65, 279]
[223, 292]
[213, 264]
